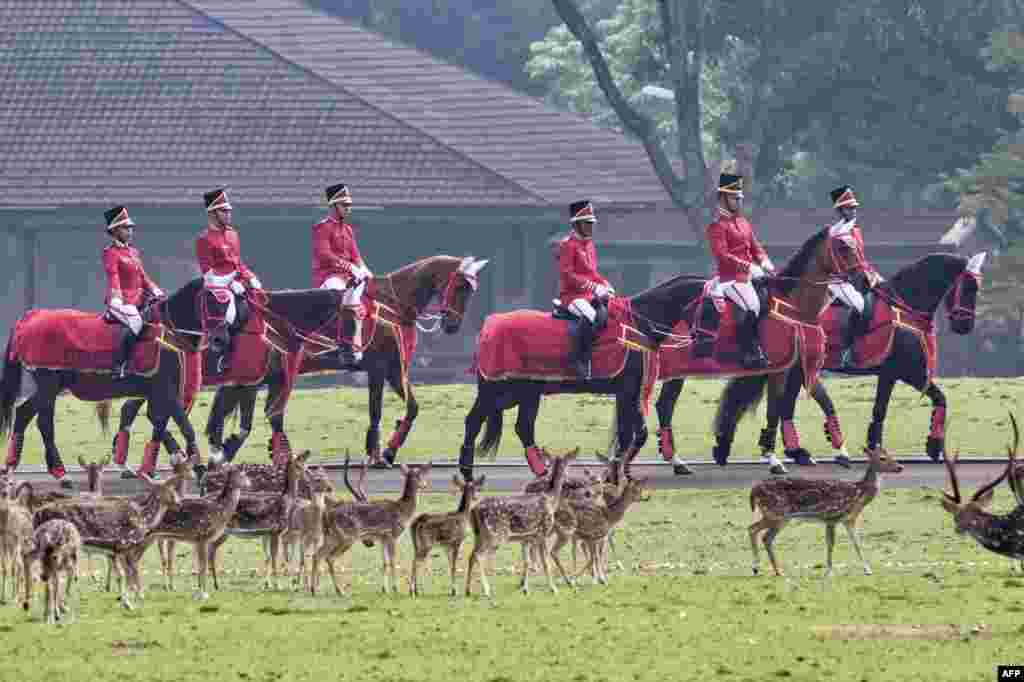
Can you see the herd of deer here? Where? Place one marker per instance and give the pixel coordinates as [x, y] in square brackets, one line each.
[287, 506]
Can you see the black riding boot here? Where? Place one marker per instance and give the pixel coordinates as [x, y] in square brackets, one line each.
[856, 325]
[345, 355]
[706, 330]
[753, 354]
[582, 346]
[123, 352]
[241, 318]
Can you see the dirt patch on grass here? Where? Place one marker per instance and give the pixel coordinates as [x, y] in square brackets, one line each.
[121, 647]
[928, 632]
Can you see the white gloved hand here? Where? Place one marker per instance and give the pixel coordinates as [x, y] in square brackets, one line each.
[756, 271]
[157, 292]
[116, 302]
[601, 291]
[237, 287]
[255, 283]
[768, 266]
[366, 271]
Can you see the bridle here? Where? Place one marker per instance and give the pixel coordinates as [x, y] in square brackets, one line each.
[955, 309]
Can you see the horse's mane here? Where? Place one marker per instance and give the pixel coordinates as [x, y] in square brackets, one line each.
[933, 264]
[418, 264]
[797, 265]
[672, 282]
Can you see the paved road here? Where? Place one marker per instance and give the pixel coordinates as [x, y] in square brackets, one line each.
[510, 475]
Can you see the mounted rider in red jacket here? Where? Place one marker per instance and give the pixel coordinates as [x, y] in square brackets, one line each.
[858, 294]
[219, 253]
[127, 286]
[337, 264]
[582, 291]
[739, 257]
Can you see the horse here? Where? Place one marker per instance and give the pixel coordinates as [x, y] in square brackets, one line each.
[914, 295]
[397, 301]
[30, 392]
[802, 287]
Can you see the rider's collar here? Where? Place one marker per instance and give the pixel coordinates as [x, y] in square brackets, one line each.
[723, 212]
[118, 242]
[578, 235]
[842, 227]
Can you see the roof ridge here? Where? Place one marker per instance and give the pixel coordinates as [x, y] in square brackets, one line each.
[190, 4]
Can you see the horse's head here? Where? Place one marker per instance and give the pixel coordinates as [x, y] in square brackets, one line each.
[179, 311]
[963, 295]
[460, 284]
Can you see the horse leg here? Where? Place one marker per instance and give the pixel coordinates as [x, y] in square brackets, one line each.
[936, 444]
[883, 392]
[45, 399]
[23, 416]
[775, 390]
[526, 428]
[159, 414]
[224, 402]
[195, 458]
[785, 408]
[376, 401]
[412, 409]
[666, 407]
[484, 405]
[129, 411]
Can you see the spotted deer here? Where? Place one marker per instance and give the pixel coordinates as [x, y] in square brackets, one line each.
[305, 526]
[15, 533]
[591, 523]
[829, 501]
[265, 478]
[383, 521]
[57, 546]
[526, 518]
[447, 530]
[1001, 534]
[201, 521]
[180, 465]
[117, 526]
[94, 489]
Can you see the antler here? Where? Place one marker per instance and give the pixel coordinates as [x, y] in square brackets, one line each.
[951, 470]
[1012, 475]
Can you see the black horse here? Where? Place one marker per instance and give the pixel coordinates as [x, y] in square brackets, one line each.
[656, 311]
[178, 314]
[917, 290]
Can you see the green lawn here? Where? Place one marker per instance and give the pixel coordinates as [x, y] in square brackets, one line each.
[685, 607]
[331, 421]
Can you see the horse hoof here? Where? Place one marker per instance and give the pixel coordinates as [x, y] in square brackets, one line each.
[66, 484]
[843, 461]
[801, 457]
[681, 469]
[934, 449]
[389, 457]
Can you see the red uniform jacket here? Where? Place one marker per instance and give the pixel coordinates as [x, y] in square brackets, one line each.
[734, 247]
[872, 274]
[218, 250]
[335, 251]
[577, 269]
[126, 278]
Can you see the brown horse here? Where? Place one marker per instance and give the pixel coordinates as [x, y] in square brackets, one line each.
[396, 301]
[36, 389]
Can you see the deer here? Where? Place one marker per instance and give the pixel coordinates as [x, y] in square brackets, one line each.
[592, 523]
[94, 489]
[1001, 534]
[118, 527]
[305, 526]
[828, 501]
[448, 530]
[56, 545]
[526, 518]
[15, 533]
[383, 521]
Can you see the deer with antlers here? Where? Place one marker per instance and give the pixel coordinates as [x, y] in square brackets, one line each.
[781, 500]
[375, 520]
[118, 527]
[447, 530]
[591, 523]
[527, 519]
[15, 533]
[201, 521]
[56, 545]
[1002, 534]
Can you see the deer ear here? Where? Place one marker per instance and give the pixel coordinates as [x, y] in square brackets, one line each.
[465, 263]
[975, 264]
[457, 481]
[24, 493]
[474, 268]
[573, 453]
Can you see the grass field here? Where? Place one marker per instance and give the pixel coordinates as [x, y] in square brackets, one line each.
[331, 421]
[685, 608]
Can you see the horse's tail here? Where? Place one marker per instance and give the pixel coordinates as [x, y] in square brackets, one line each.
[492, 436]
[10, 386]
[739, 397]
[103, 415]
[613, 434]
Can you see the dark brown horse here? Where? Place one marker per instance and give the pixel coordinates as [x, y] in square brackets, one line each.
[37, 389]
[398, 300]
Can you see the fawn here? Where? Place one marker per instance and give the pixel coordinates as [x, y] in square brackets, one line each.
[448, 530]
[381, 520]
[1002, 534]
[57, 545]
[591, 523]
[201, 521]
[15, 533]
[527, 519]
[831, 502]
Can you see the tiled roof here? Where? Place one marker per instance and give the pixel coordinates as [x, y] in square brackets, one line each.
[156, 101]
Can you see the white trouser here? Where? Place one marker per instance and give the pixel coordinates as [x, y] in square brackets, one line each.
[353, 296]
[580, 307]
[848, 294]
[742, 294]
[128, 315]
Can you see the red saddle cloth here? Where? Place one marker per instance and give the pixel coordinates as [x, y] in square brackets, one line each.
[530, 344]
[873, 347]
[779, 335]
[73, 339]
